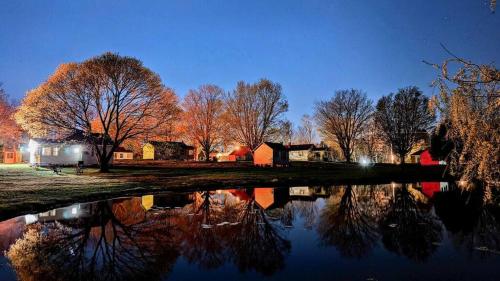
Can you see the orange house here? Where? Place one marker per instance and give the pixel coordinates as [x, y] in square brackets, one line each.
[11, 155]
[270, 154]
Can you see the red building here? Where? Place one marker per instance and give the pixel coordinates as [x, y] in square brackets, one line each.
[242, 153]
[424, 157]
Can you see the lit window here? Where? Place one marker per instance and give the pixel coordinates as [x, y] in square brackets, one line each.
[55, 151]
[46, 151]
[121, 155]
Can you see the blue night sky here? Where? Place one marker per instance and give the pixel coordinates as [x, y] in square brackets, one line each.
[311, 47]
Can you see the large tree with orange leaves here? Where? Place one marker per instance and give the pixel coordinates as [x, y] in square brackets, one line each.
[126, 98]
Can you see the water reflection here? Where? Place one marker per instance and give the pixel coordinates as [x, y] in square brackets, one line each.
[252, 230]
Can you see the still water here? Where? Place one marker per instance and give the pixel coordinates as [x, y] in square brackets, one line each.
[421, 231]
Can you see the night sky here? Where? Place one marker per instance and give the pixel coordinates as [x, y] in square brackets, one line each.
[311, 47]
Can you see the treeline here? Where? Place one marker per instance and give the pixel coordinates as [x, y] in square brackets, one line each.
[116, 96]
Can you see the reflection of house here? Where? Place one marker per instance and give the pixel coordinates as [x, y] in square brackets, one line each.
[429, 188]
[242, 153]
[68, 151]
[270, 198]
[10, 154]
[168, 150]
[271, 154]
[308, 152]
[424, 157]
[123, 154]
[308, 193]
[77, 211]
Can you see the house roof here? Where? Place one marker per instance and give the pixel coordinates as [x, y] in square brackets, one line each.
[77, 136]
[420, 151]
[296, 147]
[274, 145]
[122, 149]
[165, 143]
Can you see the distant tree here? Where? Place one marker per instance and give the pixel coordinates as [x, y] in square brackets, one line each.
[126, 98]
[402, 118]
[306, 131]
[285, 133]
[10, 132]
[371, 142]
[344, 118]
[255, 111]
[203, 111]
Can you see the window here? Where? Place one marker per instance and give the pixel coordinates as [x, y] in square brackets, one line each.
[55, 151]
[10, 155]
[46, 151]
[121, 156]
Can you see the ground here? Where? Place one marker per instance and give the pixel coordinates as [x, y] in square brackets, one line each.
[24, 189]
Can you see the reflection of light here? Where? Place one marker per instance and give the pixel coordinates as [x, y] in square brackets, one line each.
[237, 147]
[219, 191]
[74, 211]
[219, 155]
[76, 149]
[29, 219]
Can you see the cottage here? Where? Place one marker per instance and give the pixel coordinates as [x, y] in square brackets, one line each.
[10, 154]
[123, 154]
[241, 153]
[169, 150]
[424, 158]
[270, 154]
[300, 152]
[308, 152]
[69, 151]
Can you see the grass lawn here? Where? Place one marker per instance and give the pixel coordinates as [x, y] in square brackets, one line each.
[24, 189]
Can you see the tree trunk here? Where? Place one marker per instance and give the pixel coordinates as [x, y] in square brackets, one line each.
[104, 165]
[207, 154]
[402, 158]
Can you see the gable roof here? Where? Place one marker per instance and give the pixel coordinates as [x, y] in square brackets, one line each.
[170, 143]
[296, 147]
[122, 149]
[273, 145]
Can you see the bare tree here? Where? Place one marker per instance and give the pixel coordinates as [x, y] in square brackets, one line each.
[402, 118]
[306, 131]
[343, 118]
[255, 111]
[203, 112]
[119, 93]
[285, 133]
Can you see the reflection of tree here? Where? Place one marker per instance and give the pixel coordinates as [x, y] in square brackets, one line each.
[307, 210]
[202, 239]
[473, 219]
[345, 225]
[99, 248]
[258, 243]
[409, 231]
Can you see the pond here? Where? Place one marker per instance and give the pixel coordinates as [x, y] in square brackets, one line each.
[419, 231]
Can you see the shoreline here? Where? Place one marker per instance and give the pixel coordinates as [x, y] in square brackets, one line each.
[29, 191]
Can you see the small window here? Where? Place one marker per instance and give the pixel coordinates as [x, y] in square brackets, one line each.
[121, 156]
[55, 151]
[46, 151]
[10, 155]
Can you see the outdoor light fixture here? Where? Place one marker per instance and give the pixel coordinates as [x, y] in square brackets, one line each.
[76, 149]
[364, 161]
